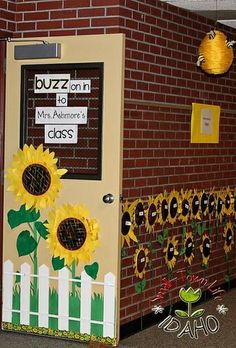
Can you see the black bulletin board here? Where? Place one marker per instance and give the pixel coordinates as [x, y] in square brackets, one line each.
[83, 159]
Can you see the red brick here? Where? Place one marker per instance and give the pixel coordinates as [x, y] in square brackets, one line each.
[63, 14]
[103, 22]
[49, 25]
[33, 16]
[105, 2]
[76, 23]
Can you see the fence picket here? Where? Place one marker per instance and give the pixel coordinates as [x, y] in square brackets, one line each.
[63, 299]
[43, 296]
[25, 294]
[7, 290]
[109, 306]
[85, 312]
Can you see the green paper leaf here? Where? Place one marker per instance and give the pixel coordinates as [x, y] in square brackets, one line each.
[25, 243]
[198, 313]
[18, 217]
[42, 230]
[140, 286]
[203, 227]
[189, 271]
[181, 314]
[92, 270]
[78, 283]
[184, 229]
[182, 250]
[57, 263]
[199, 229]
[227, 278]
[160, 239]
[123, 252]
[165, 233]
[170, 274]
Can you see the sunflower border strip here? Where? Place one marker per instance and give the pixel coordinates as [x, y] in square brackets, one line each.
[184, 206]
[58, 333]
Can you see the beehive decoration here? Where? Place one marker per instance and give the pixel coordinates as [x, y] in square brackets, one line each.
[215, 53]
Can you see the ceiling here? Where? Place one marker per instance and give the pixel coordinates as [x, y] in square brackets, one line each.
[223, 11]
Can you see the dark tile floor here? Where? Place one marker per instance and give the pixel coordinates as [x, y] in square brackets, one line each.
[154, 337]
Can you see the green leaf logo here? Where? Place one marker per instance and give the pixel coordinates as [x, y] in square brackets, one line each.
[190, 295]
[181, 314]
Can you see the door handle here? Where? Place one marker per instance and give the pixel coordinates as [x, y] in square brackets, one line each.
[108, 198]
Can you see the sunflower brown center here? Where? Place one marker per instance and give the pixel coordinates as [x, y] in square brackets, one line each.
[164, 209]
[141, 261]
[152, 213]
[173, 207]
[206, 247]
[229, 237]
[71, 234]
[126, 223]
[195, 205]
[185, 207]
[170, 252]
[227, 202]
[139, 214]
[204, 202]
[211, 204]
[36, 179]
[188, 247]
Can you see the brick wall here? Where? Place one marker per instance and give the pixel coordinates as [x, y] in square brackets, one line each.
[7, 18]
[161, 82]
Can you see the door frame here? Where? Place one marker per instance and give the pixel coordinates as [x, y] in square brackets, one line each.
[2, 132]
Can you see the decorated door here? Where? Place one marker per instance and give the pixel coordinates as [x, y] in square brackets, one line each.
[63, 136]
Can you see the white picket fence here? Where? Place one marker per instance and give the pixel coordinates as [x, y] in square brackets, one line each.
[63, 298]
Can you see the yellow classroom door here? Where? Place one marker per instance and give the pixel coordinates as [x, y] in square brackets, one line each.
[61, 245]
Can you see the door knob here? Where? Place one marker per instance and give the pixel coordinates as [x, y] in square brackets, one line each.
[108, 198]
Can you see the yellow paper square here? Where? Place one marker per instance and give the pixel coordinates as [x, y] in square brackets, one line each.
[205, 123]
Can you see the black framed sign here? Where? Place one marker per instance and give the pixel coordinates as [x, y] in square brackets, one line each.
[61, 108]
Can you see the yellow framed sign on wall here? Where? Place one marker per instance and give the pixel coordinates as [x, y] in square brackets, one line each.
[205, 123]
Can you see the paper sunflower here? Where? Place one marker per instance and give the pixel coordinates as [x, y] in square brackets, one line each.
[184, 206]
[189, 247]
[229, 237]
[203, 202]
[219, 205]
[163, 209]
[140, 261]
[127, 227]
[150, 215]
[228, 202]
[195, 206]
[72, 236]
[170, 252]
[34, 177]
[138, 212]
[205, 249]
[211, 203]
[234, 203]
[173, 204]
